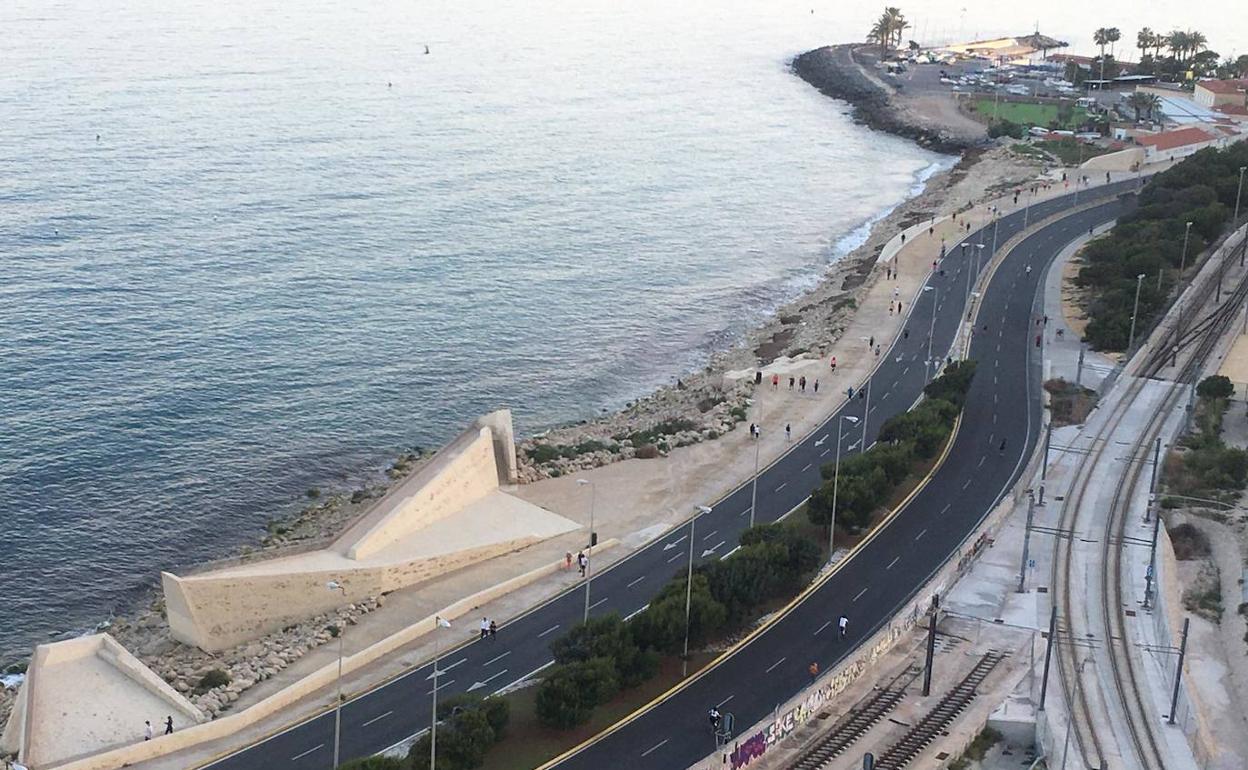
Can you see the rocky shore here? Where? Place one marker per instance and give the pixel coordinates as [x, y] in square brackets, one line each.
[698, 406]
[835, 71]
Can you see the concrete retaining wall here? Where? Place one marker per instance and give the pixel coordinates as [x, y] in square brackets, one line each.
[223, 727]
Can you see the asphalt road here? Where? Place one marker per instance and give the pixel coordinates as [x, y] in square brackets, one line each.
[1004, 405]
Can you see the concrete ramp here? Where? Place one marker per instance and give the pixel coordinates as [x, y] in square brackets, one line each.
[450, 514]
[85, 695]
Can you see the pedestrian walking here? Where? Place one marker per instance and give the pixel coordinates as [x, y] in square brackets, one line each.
[147, 730]
[802, 383]
[871, 341]
[752, 426]
[485, 628]
[877, 350]
[168, 725]
[493, 629]
[850, 391]
[903, 239]
[567, 561]
[582, 562]
[813, 668]
[1002, 447]
[816, 387]
[898, 307]
[788, 432]
[714, 718]
[775, 382]
[834, 363]
[890, 307]
[942, 249]
[931, 231]
[791, 383]
[905, 334]
[842, 625]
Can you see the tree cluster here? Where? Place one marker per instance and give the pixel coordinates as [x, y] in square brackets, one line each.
[595, 660]
[1149, 242]
[867, 480]
[468, 726]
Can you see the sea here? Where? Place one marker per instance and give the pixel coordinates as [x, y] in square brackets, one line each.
[249, 247]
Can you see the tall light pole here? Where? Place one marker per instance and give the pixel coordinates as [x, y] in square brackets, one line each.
[334, 585]
[979, 256]
[684, 659]
[438, 622]
[996, 223]
[1235, 222]
[1135, 311]
[931, 332]
[1187, 232]
[967, 262]
[866, 415]
[758, 442]
[589, 562]
[836, 478]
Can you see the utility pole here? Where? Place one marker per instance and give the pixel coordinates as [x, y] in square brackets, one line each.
[1152, 563]
[1135, 311]
[931, 650]
[1079, 368]
[866, 412]
[1152, 481]
[1178, 671]
[1048, 654]
[1022, 569]
[1044, 466]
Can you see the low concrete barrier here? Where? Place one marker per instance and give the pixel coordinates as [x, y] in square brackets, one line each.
[322, 677]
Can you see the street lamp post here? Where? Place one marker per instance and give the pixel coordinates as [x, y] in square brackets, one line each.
[438, 622]
[758, 441]
[589, 562]
[836, 478]
[1235, 222]
[967, 262]
[1183, 260]
[334, 585]
[866, 415]
[996, 223]
[1139, 280]
[931, 332]
[684, 659]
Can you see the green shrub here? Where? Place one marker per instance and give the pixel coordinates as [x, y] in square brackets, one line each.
[214, 678]
[606, 638]
[468, 727]
[567, 696]
[1216, 386]
[543, 453]
[377, 763]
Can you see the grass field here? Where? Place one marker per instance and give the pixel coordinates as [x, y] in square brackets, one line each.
[1028, 114]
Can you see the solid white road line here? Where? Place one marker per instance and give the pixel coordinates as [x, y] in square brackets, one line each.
[859, 596]
[638, 580]
[495, 659]
[773, 665]
[825, 625]
[637, 612]
[547, 631]
[377, 719]
[545, 665]
[655, 747]
[492, 677]
[309, 751]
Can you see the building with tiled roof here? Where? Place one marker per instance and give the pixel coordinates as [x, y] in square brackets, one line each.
[1216, 93]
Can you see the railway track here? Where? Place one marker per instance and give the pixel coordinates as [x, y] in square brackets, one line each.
[1196, 344]
[849, 728]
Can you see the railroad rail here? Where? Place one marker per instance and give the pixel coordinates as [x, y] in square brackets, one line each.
[852, 726]
[936, 721]
[1196, 344]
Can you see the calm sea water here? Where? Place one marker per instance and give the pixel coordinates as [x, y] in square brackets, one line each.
[250, 247]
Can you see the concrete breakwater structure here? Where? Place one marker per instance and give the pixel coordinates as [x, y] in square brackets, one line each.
[451, 514]
[89, 695]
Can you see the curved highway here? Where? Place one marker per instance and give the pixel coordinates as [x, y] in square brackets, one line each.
[1004, 406]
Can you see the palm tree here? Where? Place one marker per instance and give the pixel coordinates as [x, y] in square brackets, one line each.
[1176, 41]
[1142, 102]
[1144, 41]
[1113, 35]
[1196, 42]
[1101, 38]
[888, 29]
[879, 34]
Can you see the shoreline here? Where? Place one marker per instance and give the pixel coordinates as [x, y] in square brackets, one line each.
[801, 328]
